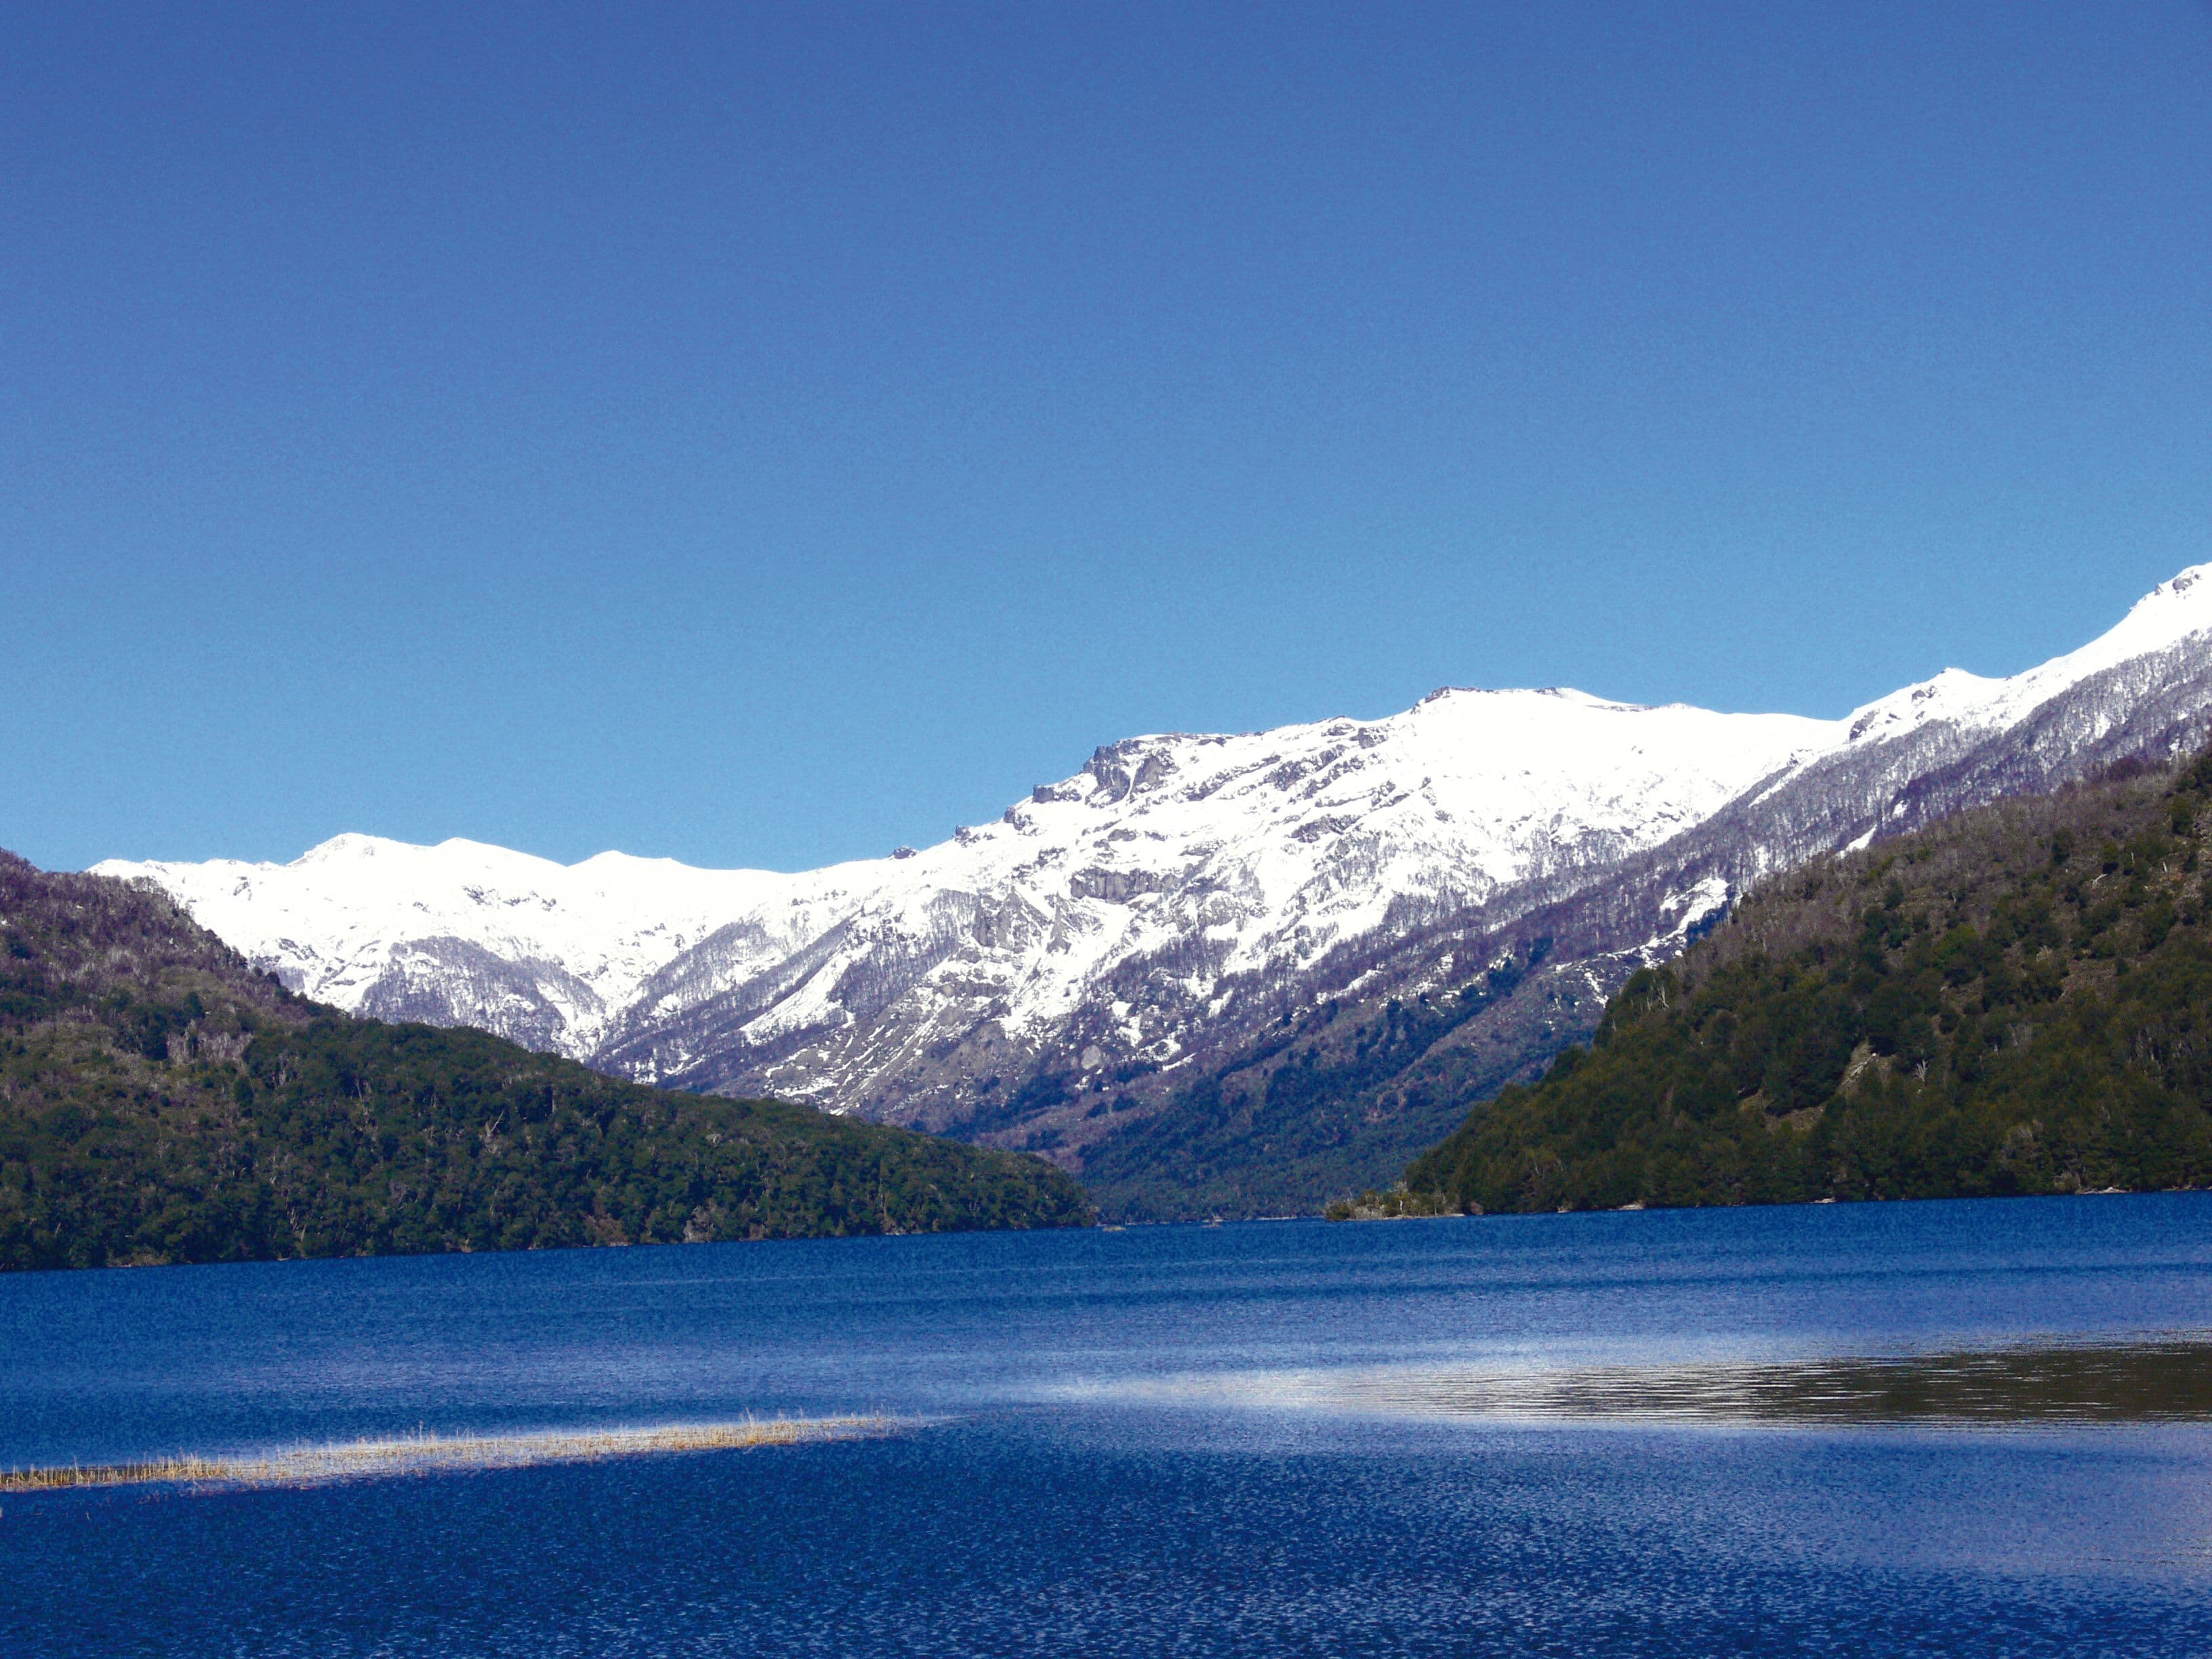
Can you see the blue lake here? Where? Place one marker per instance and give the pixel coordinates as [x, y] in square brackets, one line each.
[1927, 1428]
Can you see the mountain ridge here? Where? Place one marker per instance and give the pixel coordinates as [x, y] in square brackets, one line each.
[1147, 921]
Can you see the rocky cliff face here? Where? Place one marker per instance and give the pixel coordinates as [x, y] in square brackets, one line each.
[1149, 919]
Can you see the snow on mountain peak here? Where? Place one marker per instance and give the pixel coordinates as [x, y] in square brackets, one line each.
[1276, 845]
[2173, 612]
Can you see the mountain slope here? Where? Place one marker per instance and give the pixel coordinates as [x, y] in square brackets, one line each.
[2016, 999]
[1175, 970]
[160, 1101]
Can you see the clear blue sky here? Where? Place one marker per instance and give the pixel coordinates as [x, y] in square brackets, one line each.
[764, 436]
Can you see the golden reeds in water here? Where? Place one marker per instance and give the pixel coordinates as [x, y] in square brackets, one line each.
[426, 1453]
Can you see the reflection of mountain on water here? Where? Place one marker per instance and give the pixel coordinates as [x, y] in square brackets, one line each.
[2167, 1379]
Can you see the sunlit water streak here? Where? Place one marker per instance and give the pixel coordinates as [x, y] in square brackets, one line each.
[2160, 1381]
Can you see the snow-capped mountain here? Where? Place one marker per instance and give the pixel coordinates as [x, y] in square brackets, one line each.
[1198, 856]
[1182, 893]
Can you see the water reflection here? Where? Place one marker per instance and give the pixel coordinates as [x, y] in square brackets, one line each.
[2164, 1380]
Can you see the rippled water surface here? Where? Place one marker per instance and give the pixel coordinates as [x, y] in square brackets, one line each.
[1938, 1428]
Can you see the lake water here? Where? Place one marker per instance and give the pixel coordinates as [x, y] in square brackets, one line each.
[1913, 1428]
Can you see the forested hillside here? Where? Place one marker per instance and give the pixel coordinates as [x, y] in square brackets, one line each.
[161, 1102]
[2016, 999]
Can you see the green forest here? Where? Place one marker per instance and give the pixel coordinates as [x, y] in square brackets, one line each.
[2014, 1001]
[161, 1101]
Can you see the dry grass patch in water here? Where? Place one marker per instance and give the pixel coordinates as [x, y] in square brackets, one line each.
[427, 1454]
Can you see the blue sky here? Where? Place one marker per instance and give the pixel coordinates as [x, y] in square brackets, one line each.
[765, 435]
